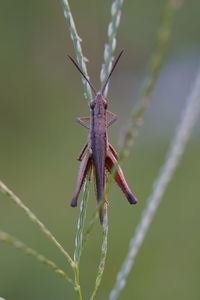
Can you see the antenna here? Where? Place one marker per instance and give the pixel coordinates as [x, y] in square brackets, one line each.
[76, 65]
[108, 78]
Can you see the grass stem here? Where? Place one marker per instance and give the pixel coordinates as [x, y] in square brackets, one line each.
[109, 48]
[77, 46]
[81, 221]
[103, 253]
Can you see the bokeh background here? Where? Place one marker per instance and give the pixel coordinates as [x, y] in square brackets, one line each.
[42, 94]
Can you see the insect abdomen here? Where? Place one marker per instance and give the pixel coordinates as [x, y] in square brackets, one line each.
[99, 156]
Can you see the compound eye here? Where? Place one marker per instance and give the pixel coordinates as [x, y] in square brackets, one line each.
[92, 104]
[105, 104]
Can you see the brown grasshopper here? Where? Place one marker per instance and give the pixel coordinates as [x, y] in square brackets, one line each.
[100, 154]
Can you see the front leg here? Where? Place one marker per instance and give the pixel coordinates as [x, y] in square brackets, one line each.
[79, 120]
[115, 117]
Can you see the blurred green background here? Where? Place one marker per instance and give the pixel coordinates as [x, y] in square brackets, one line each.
[42, 94]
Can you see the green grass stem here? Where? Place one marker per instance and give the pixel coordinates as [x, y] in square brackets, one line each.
[81, 221]
[77, 46]
[109, 48]
[103, 252]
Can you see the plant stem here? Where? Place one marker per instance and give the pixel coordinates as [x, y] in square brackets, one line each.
[102, 254]
[7, 238]
[77, 46]
[91, 223]
[6, 191]
[109, 48]
[76, 281]
[174, 154]
[81, 221]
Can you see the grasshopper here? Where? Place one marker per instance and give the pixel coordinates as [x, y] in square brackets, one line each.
[97, 152]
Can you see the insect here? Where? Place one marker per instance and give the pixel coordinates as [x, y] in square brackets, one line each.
[97, 152]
